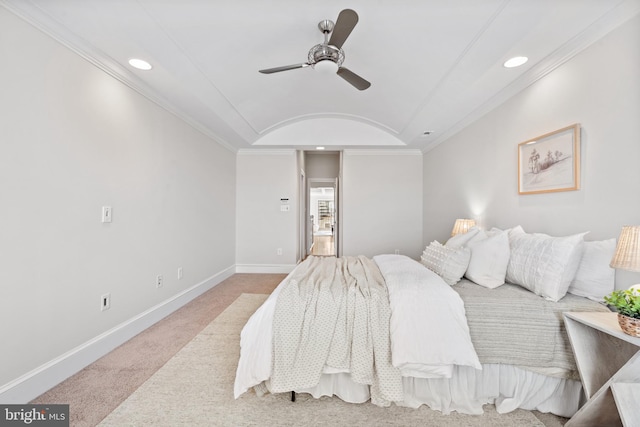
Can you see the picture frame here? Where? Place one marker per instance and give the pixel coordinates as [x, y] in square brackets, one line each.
[551, 162]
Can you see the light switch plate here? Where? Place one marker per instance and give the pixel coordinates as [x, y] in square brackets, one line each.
[106, 214]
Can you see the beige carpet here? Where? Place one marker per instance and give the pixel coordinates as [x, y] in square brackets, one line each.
[195, 388]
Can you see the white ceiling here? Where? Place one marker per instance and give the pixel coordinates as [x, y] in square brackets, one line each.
[434, 65]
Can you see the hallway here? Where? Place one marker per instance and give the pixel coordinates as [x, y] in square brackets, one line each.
[323, 245]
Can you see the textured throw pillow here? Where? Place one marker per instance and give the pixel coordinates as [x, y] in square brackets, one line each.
[449, 263]
[489, 260]
[544, 264]
[594, 278]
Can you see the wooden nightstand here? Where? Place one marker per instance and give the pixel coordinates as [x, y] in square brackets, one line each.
[609, 364]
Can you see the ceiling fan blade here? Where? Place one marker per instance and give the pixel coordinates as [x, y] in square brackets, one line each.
[347, 19]
[284, 68]
[354, 79]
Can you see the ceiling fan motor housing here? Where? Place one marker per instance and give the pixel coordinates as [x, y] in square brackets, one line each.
[322, 52]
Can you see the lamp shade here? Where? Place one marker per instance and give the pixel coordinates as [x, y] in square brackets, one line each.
[627, 255]
[462, 226]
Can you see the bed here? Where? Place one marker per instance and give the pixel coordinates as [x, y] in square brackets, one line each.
[392, 330]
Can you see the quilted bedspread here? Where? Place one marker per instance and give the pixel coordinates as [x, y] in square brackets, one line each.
[334, 313]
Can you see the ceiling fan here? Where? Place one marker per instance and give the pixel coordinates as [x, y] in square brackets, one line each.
[329, 56]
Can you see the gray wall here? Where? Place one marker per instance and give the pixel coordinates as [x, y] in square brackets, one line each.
[263, 178]
[381, 202]
[381, 206]
[73, 140]
[322, 165]
[474, 173]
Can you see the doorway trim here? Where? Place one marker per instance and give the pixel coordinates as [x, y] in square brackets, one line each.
[302, 218]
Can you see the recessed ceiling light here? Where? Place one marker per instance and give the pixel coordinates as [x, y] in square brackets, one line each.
[319, 148]
[140, 64]
[516, 61]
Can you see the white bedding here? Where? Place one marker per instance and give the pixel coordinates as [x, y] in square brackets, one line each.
[421, 300]
[468, 389]
[429, 332]
[445, 377]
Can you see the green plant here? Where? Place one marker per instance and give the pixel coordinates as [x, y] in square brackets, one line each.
[626, 301]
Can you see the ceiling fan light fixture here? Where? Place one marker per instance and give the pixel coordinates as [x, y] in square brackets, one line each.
[326, 66]
[516, 61]
[328, 57]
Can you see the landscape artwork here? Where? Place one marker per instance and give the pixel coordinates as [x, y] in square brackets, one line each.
[550, 162]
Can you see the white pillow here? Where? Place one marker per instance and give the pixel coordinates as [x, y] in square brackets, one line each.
[461, 240]
[544, 264]
[594, 278]
[515, 231]
[489, 260]
[449, 263]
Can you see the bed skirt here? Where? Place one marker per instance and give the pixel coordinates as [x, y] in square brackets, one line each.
[506, 386]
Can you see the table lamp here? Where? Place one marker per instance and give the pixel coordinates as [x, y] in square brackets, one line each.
[462, 226]
[627, 254]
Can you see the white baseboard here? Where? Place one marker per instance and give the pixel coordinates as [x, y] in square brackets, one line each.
[32, 384]
[265, 268]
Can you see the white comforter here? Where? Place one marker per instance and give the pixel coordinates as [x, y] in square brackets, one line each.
[429, 333]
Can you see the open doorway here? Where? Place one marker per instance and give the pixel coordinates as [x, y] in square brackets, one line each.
[322, 219]
[320, 212]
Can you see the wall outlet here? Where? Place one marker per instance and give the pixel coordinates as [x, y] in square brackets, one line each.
[279, 251]
[397, 251]
[179, 273]
[159, 281]
[105, 302]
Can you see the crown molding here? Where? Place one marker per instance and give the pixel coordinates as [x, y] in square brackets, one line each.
[382, 152]
[624, 12]
[49, 26]
[266, 152]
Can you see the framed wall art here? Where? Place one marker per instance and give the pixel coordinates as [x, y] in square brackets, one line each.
[550, 162]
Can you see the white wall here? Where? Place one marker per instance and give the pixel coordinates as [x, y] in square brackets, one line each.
[263, 178]
[474, 173]
[73, 139]
[322, 164]
[381, 202]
